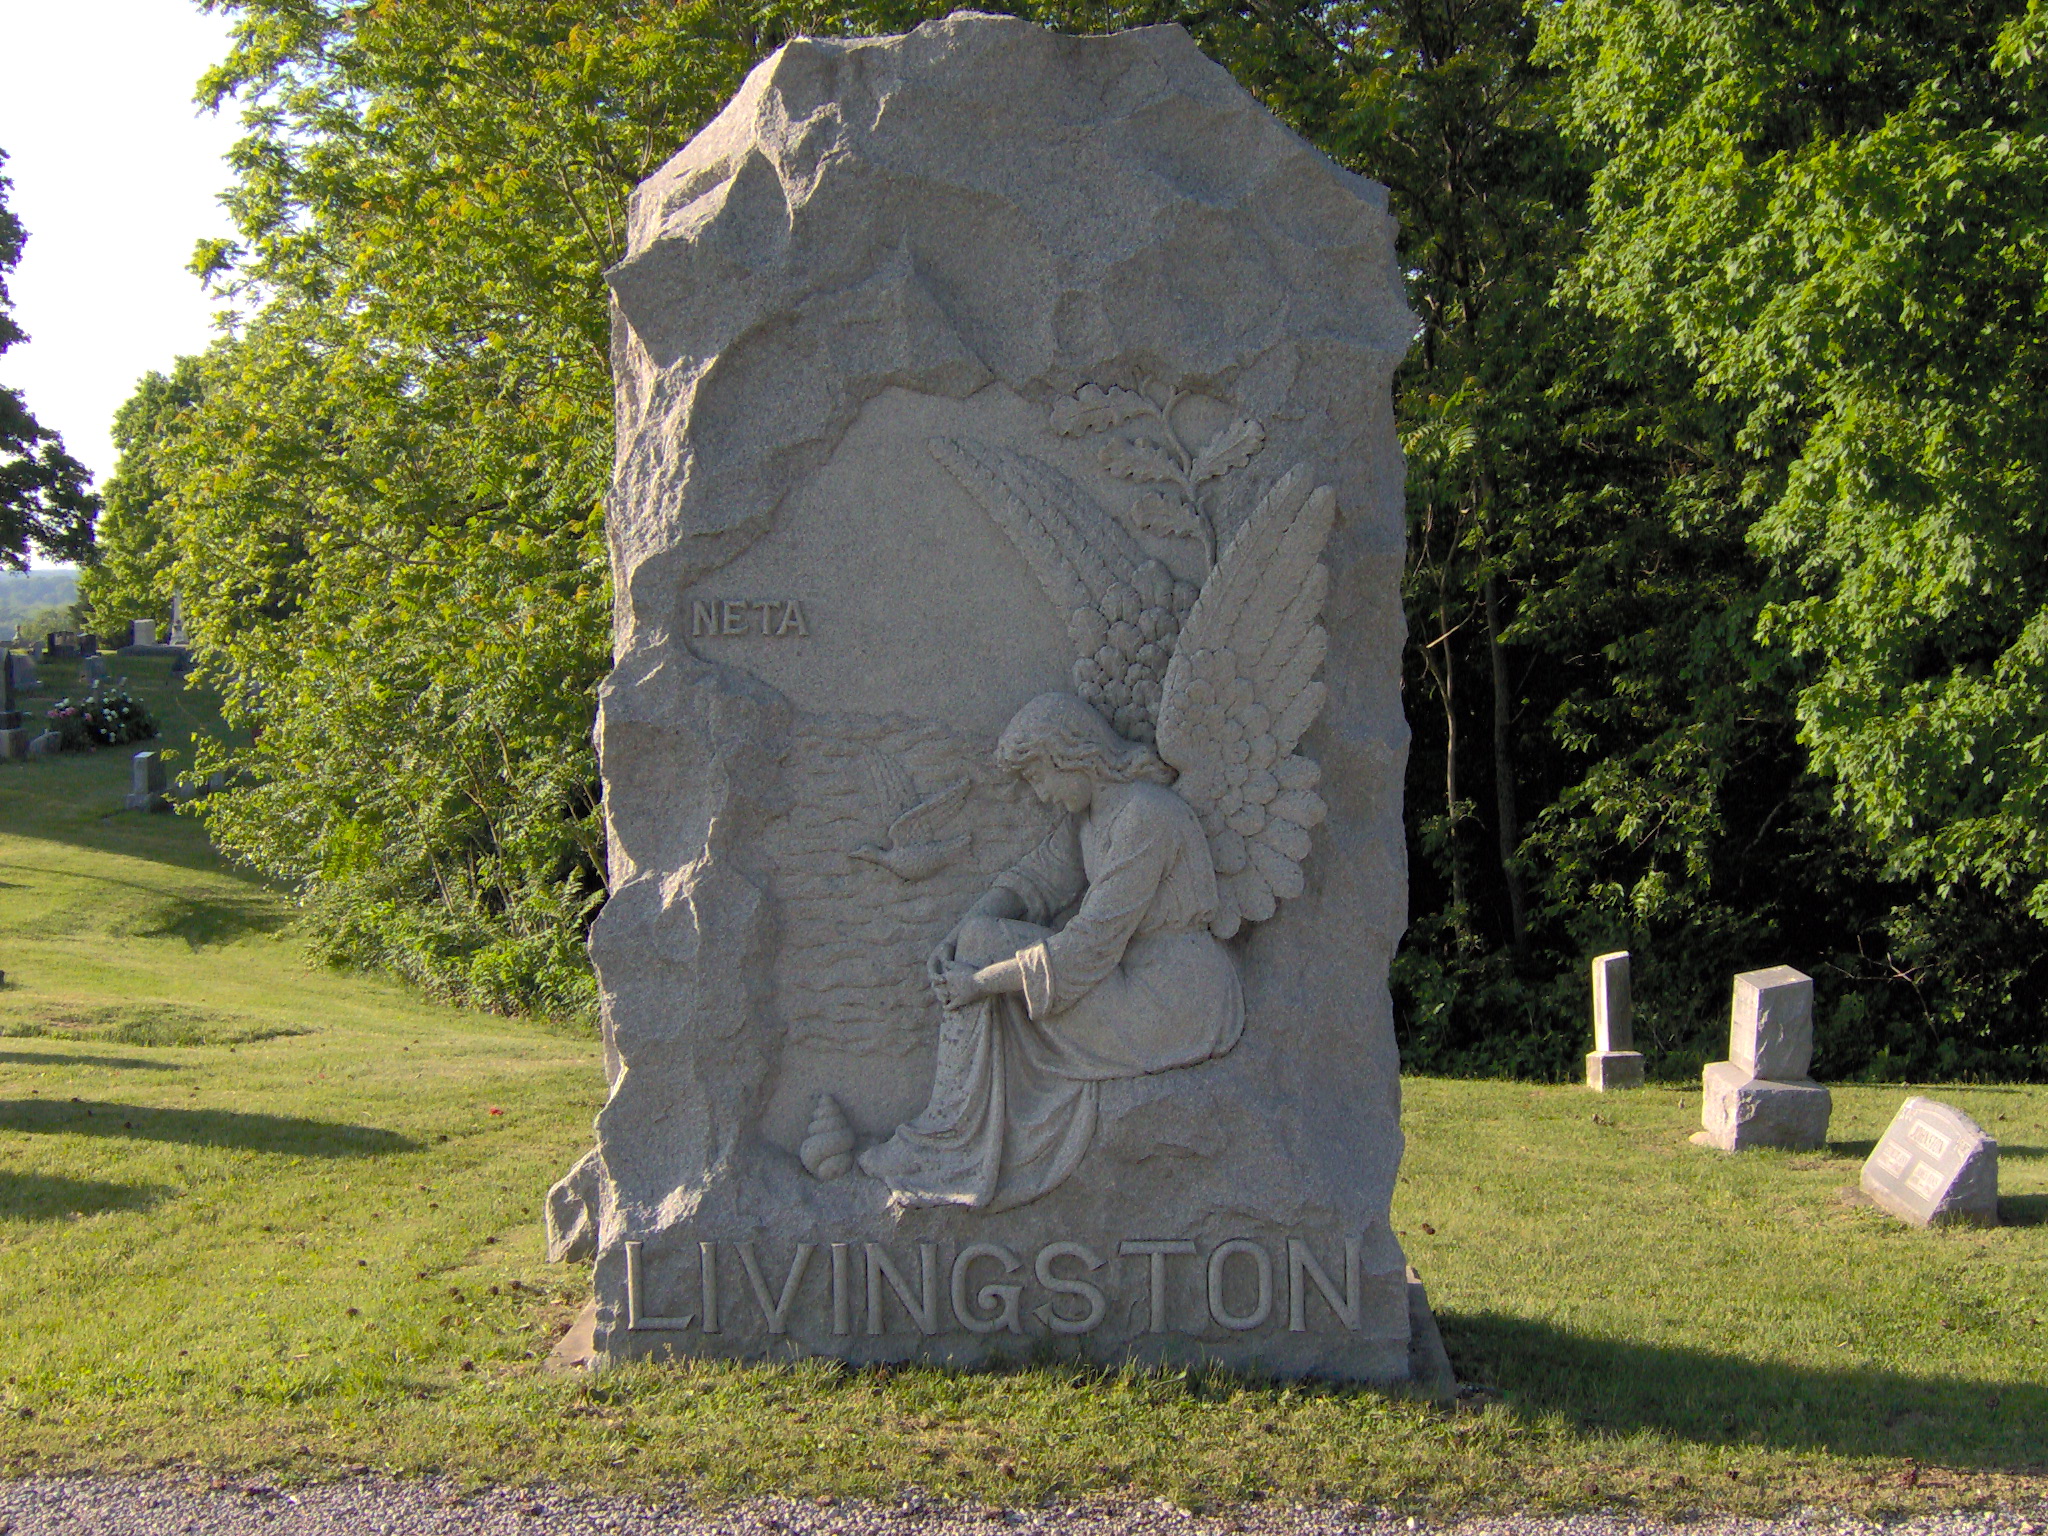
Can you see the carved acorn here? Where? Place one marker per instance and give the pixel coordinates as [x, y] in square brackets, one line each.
[828, 1150]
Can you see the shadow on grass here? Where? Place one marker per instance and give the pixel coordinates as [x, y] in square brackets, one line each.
[46, 1197]
[2023, 1210]
[201, 1128]
[1621, 1388]
[57, 1059]
[204, 920]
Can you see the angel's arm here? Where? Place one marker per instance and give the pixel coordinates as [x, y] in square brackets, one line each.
[1068, 966]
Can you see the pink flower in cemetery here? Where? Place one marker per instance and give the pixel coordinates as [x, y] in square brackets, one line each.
[496, 1111]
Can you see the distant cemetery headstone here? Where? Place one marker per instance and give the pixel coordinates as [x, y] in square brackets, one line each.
[14, 734]
[1761, 1096]
[177, 634]
[21, 668]
[1614, 1062]
[1934, 1166]
[142, 632]
[60, 645]
[92, 669]
[1007, 861]
[148, 787]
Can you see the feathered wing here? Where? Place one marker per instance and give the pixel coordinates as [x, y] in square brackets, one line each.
[1240, 691]
[889, 786]
[1123, 610]
[924, 823]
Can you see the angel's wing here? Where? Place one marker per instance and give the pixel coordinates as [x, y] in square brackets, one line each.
[1123, 610]
[1240, 691]
[923, 823]
[889, 786]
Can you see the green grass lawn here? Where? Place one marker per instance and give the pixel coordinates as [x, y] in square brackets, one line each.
[268, 1219]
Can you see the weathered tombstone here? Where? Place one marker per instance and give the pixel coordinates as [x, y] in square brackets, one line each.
[148, 786]
[1615, 1062]
[1770, 1025]
[177, 635]
[23, 669]
[60, 645]
[13, 732]
[1934, 1166]
[142, 631]
[48, 744]
[92, 669]
[1761, 1096]
[88, 645]
[906, 665]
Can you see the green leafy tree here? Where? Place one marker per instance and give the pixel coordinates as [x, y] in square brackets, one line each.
[1837, 217]
[130, 577]
[46, 499]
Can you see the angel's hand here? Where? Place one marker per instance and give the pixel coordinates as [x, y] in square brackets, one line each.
[959, 987]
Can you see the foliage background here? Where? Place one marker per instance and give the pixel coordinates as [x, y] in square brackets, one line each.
[1725, 591]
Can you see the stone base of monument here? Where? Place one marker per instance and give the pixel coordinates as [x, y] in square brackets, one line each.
[1236, 1256]
[1741, 1111]
[13, 745]
[1609, 1070]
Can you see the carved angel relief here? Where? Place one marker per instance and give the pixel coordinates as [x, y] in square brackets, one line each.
[1189, 809]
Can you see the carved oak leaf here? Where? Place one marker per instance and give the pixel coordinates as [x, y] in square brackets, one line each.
[1232, 448]
[1139, 459]
[1162, 513]
[1095, 409]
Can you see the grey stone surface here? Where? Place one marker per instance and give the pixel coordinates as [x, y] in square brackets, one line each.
[92, 669]
[23, 666]
[989, 386]
[1934, 1166]
[1607, 1071]
[148, 786]
[1614, 1062]
[1613, 1004]
[142, 632]
[13, 745]
[1770, 1024]
[1741, 1110]
[48, 744]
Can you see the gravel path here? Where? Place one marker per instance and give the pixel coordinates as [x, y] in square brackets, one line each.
[370, 1506]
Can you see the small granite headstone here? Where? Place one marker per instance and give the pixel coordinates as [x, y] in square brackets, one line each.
[142, 632]
[49, 744]
[13, 735]
[148, 788]
[23, 669]
[1934, 1166]
[1761, 1096]
[1615, 1062]
[92, 669]
[177, 635]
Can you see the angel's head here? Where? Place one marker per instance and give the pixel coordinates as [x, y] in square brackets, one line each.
[1065, 750]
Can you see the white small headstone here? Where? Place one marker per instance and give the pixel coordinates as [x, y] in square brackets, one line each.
[1615, 1062]
[1934, 1166]
[144, 632]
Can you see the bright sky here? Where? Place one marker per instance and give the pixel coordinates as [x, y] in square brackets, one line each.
[116, 175]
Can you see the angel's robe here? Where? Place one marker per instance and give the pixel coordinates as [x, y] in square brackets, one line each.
[1132, 982]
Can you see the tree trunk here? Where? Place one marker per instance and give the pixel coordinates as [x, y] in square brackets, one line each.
[1508, 823]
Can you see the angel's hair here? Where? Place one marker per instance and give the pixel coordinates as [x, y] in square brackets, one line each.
[1064, 731]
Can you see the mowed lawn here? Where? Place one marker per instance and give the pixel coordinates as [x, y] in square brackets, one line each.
[278, 1222]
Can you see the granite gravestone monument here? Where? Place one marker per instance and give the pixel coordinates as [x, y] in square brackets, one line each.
[1761, 1096]
[1934, 1166]
[1003, 754]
